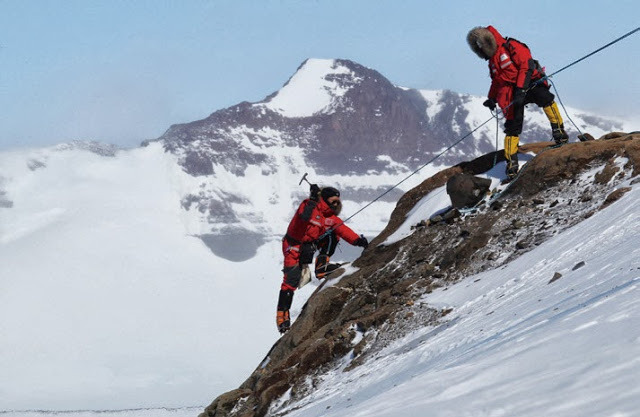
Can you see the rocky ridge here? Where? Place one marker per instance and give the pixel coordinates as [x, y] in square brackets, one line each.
[379, 302]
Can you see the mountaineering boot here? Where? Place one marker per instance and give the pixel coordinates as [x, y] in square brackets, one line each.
[283, 321]
[557, 125]
[282, 316]
[323, 267]
[512, 166]
[560, 137]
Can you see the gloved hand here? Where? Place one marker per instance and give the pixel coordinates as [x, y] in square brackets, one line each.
[490, 103]
[314, 192]
[361, 241]
[306, 253]
[518, 97]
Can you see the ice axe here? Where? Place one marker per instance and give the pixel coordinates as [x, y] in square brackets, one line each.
[315, 190]
[304, 178]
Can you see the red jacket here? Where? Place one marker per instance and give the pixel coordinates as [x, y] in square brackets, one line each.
[311, 221]
[511, 66]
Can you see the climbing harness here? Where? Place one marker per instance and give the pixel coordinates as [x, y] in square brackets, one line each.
[496, 116]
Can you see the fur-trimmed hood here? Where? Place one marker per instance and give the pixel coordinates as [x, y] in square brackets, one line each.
[483, 41]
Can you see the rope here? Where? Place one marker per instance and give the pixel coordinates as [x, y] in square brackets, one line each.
[588, 55]
[564, 108]
[417, 170]
[403, 180]
[495, 156]
[496, 116]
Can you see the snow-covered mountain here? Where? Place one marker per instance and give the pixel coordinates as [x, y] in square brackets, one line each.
[343, 117]
[148, 277]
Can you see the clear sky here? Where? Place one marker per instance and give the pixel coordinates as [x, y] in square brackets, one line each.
[123, 71]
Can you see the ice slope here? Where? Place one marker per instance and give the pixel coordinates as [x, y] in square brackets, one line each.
[516, 344]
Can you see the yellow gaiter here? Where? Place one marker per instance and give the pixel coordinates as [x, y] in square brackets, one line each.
[553, 114]
[510, 146]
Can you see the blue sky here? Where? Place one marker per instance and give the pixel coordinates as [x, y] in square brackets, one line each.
[124, 71]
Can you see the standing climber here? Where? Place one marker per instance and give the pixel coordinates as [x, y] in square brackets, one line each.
[513, 74]
[315, 216]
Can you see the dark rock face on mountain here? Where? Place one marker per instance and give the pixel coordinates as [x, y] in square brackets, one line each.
[380, 302]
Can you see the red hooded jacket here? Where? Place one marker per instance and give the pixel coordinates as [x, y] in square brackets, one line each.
[511, 66]
[312, 220]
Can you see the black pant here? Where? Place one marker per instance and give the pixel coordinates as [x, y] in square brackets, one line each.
[539, 95]
[328, 244]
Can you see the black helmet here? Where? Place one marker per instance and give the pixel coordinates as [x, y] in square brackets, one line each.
[328, 192]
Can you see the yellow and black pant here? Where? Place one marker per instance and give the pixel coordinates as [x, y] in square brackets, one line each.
[539, 95]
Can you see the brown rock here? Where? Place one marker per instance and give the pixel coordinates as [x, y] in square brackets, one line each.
[615, 196]
[604, 176]
[319, 353]
[613, 135]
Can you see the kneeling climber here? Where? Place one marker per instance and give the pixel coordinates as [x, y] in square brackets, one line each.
[315, 224]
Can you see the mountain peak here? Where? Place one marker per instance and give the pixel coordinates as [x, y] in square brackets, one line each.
[316, 87]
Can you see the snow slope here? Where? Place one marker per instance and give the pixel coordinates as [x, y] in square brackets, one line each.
[516, 344]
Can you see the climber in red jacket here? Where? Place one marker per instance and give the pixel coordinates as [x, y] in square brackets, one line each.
[513, 84]
[315, 216]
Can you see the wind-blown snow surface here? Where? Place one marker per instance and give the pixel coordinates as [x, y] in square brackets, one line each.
[108, 300]
[516, 344]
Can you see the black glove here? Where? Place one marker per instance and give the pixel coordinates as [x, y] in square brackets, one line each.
[306, 253]
[361, 241]
[314, 192]
[490, 103]
[518, 97]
